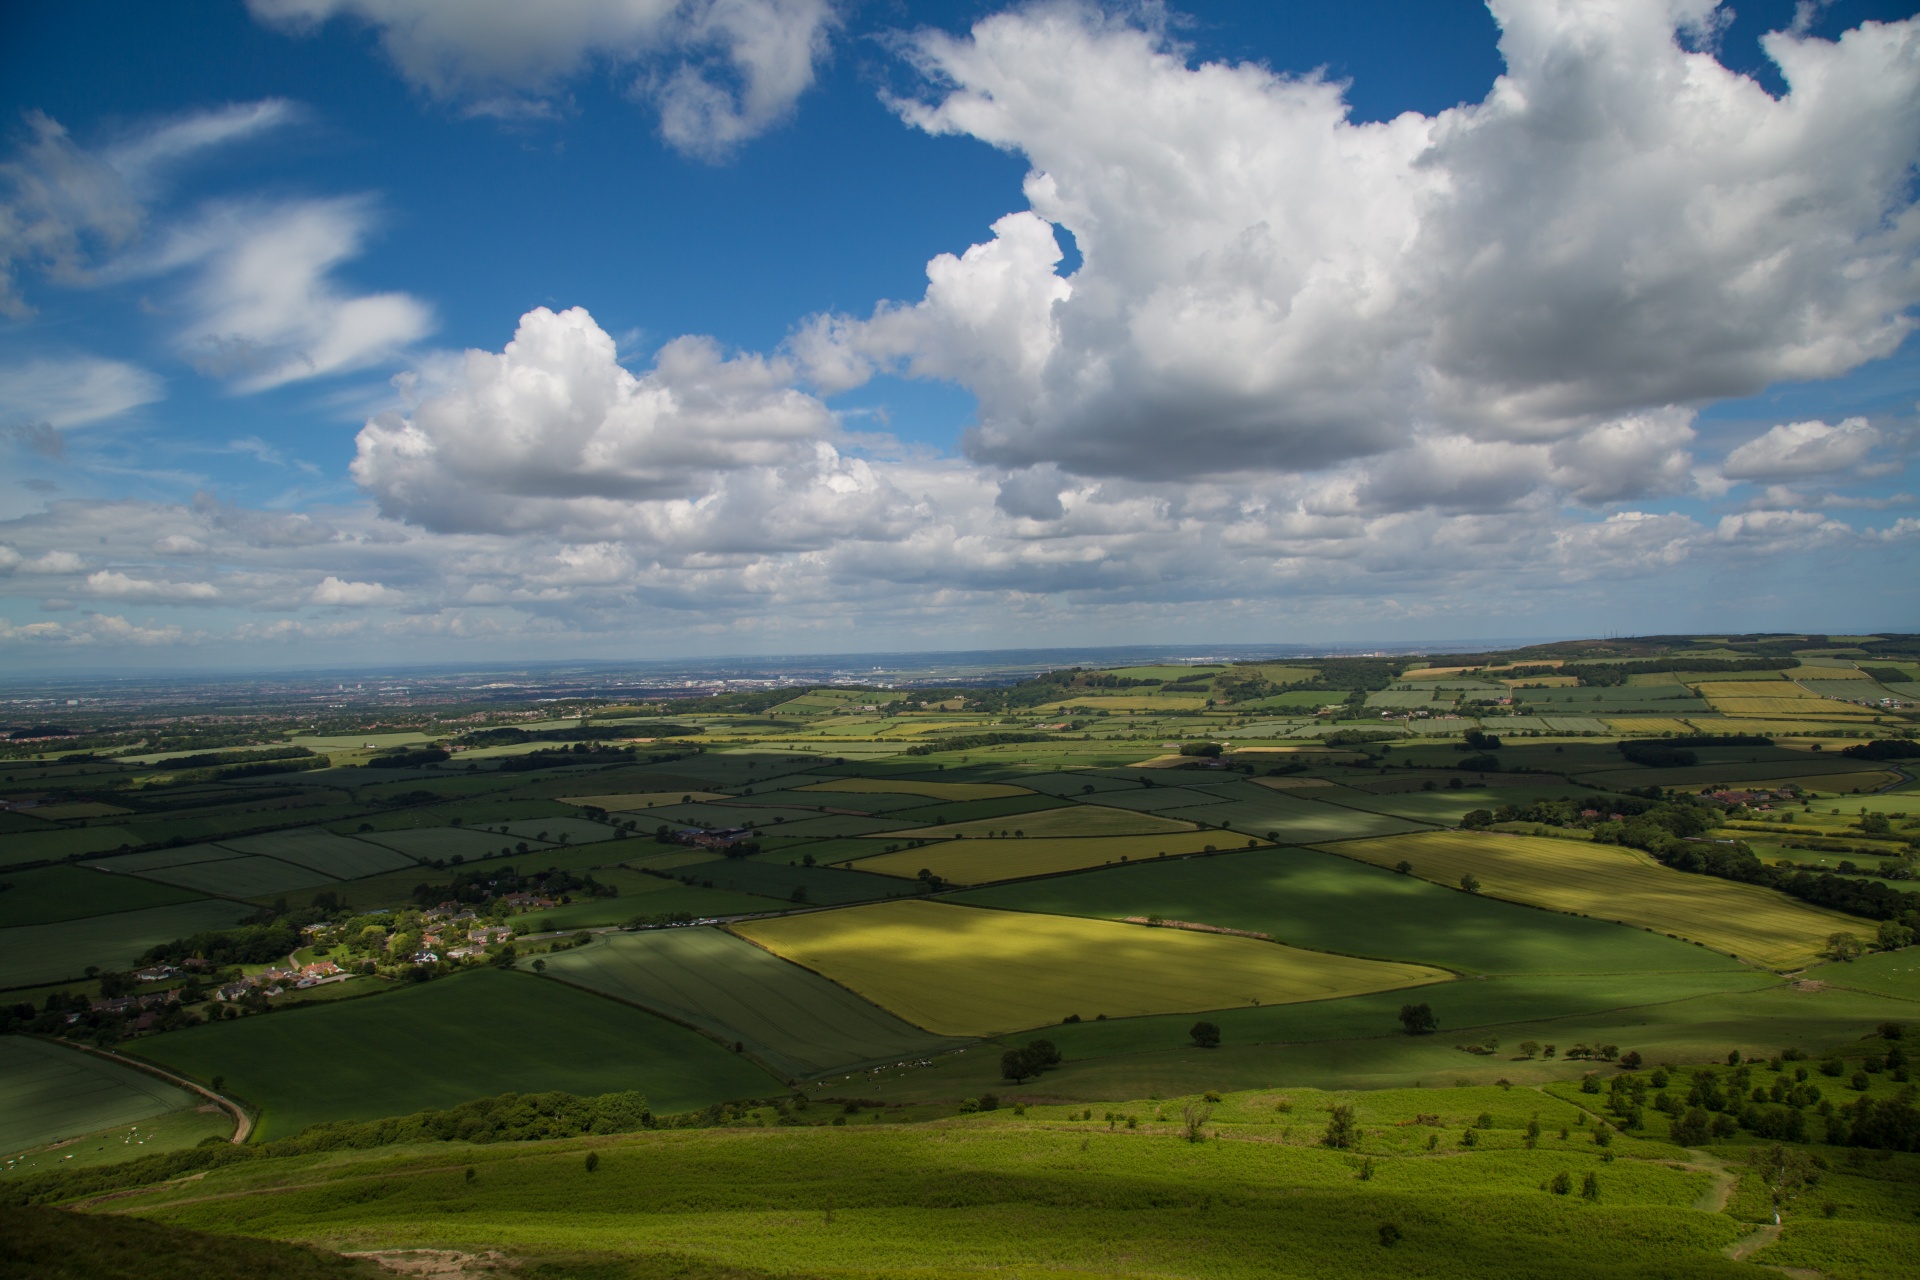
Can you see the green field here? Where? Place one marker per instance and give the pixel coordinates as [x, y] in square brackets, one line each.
[1329, 903]
[823, 886]
[1070, 820]
[338, 856]
[984, 861]
[461, 1037]
[1292, 818]
[157, 859]
[428, 843]
[69, 893]
[40, 846]
[1039, 1194]
[691, 900]
[35, 954]
[560, 830]
[246, 876]
[966, 971]
[1890, 973]
[791, 1018]
[49, 1092]
[1612, 882]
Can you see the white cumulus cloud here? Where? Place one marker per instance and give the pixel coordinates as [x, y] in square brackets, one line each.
[1794, 450]
[1623, 228]
[338, 591]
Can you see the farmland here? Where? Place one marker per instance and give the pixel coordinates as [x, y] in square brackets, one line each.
[353, 1059]
[983, 861]
[964, 971]
[48, 1093]
[1254, 889]
[797, 1022]
[1610, 882]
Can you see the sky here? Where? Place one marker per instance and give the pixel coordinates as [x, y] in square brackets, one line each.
[387, 332]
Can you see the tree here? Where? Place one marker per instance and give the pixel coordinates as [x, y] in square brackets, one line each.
[1476, 819]
[1206, 1035]
[1418, 1019]
[1404, 867]
[1590, 1189]
[593, 1161]
[1015, 1066]
[1018, 1064]
[1893, 935]
[1692, 1129]
[1843, 946]
[1192, 1117]
[1528, 1048]
[1470, 882]
[1389, 1235]
[1341, 1133]
[1787, 1172]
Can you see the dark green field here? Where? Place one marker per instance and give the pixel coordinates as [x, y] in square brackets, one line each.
[437, 1045]
[34, 954]
[70, 893]
[1312, 899]
[797, 1022]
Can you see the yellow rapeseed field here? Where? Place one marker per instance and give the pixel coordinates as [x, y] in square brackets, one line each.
[955, 791]
[984, 861]
[1611, 882]
[969, 971]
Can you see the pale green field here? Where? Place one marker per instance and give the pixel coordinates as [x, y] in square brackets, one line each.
[49, 1092]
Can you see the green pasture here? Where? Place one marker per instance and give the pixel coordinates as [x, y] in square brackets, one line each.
[1017, 1195]
[36, 954]
[159, 859]
[824, 886]
[1068, 820]
[938, 813]
[792, 803]
[562, 830]
[1289, 818]
[833, 826]
[791, 1018]
[121, 1141]
[444, 842]
[1888, 973]
[339, 856]
[50, 894]
[1446, 807]
[702, 814]
[694, 900]
[1311, 899]
[442, 1043]
[1163, 794]
[49, 1092]
[247, 876]
[47, 846]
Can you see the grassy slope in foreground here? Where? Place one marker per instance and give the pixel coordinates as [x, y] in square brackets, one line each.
[969, 971]
[53, 1244]
[1039, 1193]
[984, 861]
[1611, 882]
[449, 1041]
[1314, 899]
[49, 1092]
[789, 1017]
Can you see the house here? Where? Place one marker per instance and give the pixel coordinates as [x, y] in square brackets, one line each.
[465, 953]
[158, 973]
[486, 937]
[233, 990]
[117, 1004]
[426, 957]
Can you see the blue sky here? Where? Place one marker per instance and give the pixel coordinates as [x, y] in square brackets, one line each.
[1362, 343]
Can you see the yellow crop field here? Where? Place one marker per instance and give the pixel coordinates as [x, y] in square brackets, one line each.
[1611, 882]
[984, 861]
[1751, 689]
[969, 971]
[630, 800]
[1069, 820]
[955, 791]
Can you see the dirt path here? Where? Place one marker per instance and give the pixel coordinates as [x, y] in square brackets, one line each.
[1752, 1242]
[242, 1122]
[437, 1264]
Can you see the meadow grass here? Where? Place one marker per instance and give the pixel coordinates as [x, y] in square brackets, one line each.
[1067, 820]
[821, 886]
[984, 861]
[35, 954]
[1612, 882]
[50, 894]
[37, 846]
[123, 1141]
[560, 830]
[923, 787]
[443, 842]
[791, 1018]
[1292, 818]
[999, 1192]
[1329, 903]
[968, 971]
[49, 1092]
[1889, 973]
[444, 1042]
[695, 900]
